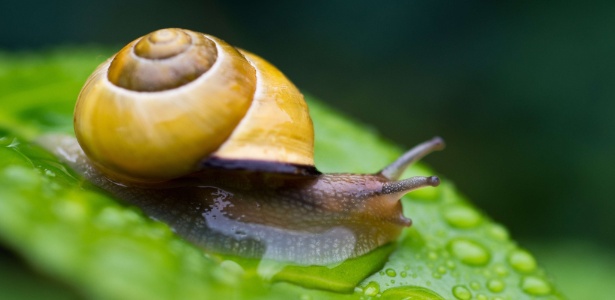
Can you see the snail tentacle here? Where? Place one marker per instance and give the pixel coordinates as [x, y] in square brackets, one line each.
[410, 184]
[394, 170]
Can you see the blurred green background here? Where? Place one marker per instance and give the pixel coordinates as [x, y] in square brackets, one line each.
[523, 93]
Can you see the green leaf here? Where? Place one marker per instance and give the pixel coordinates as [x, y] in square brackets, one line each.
[104, 249]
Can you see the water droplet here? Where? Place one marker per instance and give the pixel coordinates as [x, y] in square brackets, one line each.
[475, 285]
[371, 289]
[229, 272]
[450, 264]
[436, 275]
[522, 261]
[461, 292]
[535, 286]
[232, 267]
[441, 270]
[461, 216]
[390, 272]
[305, 297]
[469, 252]
[498, 232]
[501, 270]
[432, 255]
[481, 297]
[410, 292]
[403, 274]
[496, 285]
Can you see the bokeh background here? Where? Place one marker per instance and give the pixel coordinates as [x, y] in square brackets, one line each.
[523, 93]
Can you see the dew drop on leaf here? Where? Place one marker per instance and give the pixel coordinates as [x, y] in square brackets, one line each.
[461, 216]
[371, 289]
[442, 270]
[469, 252]
[461, 292]
[432, 255]
[410, 292]
[450, 264]
[390, 272]
[495, 285]
[501, 270]
[498, 232]
[535, 286]
[522, 261]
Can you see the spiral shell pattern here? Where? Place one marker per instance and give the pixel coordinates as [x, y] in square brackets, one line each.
[175, 100]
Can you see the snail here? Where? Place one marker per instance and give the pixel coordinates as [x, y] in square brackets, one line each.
[218, 143]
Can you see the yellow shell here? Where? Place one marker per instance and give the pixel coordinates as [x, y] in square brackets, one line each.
[175, 100]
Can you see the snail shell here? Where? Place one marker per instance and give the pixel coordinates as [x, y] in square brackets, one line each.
[175, 100]
[217, 143]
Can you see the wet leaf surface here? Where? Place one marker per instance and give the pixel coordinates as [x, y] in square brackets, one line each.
[102, 248]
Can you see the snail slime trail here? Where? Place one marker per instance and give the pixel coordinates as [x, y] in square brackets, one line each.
[218, 143]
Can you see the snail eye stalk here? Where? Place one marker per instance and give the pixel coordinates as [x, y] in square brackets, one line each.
[394, 170]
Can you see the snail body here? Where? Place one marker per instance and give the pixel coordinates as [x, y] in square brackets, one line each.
[238, 178]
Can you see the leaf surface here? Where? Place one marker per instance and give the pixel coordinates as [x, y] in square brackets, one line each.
[67, 229]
